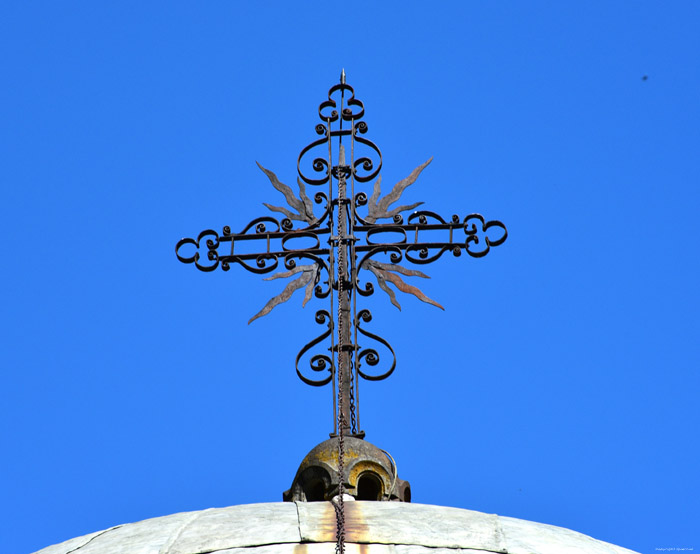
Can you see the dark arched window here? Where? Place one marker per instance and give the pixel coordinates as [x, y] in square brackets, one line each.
[369, 487]
[315, 490]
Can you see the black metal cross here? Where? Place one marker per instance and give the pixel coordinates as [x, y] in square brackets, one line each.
[340, 247]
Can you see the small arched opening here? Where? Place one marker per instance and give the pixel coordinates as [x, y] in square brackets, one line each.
[369, 487]
[315, 490]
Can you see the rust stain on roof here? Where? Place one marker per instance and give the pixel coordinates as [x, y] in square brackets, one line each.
[356, 528]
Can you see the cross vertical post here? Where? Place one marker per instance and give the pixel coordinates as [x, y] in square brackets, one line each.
[345, 345]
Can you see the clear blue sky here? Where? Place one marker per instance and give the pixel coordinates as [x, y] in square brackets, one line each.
[561, 383]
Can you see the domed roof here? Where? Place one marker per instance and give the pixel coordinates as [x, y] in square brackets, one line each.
[309, 528]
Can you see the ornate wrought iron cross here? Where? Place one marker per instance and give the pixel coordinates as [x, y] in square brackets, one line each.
[340, 248]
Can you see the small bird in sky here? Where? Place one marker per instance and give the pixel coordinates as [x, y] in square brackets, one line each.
[645, 77]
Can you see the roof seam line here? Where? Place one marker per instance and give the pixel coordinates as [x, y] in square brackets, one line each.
[501, 534]
[296, 505]
[226, 548]
[455, 548]
[489, 551]
[94, 537]
[178, 532]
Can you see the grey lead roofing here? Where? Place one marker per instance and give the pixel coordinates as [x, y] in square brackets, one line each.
[309, 528]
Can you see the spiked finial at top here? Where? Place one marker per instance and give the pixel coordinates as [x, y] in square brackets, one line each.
[342, 76]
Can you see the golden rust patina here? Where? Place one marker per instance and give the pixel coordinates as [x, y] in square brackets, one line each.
[370, 474]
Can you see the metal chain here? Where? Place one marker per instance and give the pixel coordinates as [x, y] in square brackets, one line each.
[340, 504]
[353, 419]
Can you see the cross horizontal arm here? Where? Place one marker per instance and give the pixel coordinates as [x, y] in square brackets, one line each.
[262, 259]
[279, 244]
[419, 237]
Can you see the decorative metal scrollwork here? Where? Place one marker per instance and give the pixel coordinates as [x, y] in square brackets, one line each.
[330, 253]
[473, 231]
[370, 356]
[211, 254]
[366, 167]
[320, 362]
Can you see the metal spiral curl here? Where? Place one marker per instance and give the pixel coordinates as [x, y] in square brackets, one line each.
[472, 230]
[259, 224]
[395, 255]
[319, 165]
[365, 167]
[370, 355]
[368, 289]
[262, 264]
[348, 113]
[319, 362]
[212, 255]
[319, 198]
[319, 290]
[424, 253]
[371, 168]
[423, 215]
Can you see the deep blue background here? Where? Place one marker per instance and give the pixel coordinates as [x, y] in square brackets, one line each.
[561, 383]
